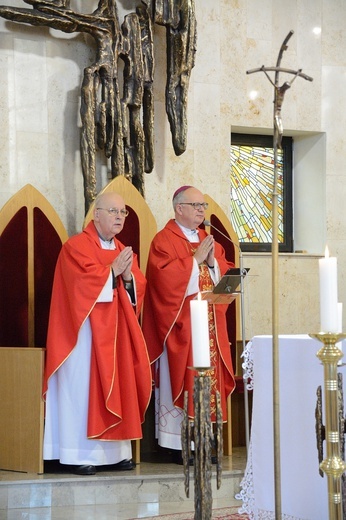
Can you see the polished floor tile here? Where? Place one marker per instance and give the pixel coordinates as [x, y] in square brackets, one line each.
[155, 487]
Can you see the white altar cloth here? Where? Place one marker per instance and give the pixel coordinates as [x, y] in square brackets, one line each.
[304, 494]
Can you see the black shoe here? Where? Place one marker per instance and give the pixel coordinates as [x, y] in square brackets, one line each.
[124, 465]
[214, 459]
[177, 458]
[85, 469]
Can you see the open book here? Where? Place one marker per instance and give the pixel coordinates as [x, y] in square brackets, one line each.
[226, 290]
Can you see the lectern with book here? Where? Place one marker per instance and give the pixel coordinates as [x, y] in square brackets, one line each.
[226, 290]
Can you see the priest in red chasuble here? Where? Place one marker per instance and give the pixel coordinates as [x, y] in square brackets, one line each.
[184, 260]
[97, 381]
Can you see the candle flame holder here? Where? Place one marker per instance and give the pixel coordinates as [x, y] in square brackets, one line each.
[333, 466]
[200, 432]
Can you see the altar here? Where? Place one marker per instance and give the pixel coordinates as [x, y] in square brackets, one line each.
[304, 493]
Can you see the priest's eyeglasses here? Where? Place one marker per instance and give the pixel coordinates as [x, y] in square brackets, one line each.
[115, 212]
[196, 205]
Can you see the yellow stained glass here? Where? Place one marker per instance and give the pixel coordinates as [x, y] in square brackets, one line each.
[252, 180]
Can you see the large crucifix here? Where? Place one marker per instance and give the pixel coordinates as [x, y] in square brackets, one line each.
[122, 123]
[279, 94]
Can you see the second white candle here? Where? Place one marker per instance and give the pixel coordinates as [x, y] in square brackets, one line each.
[328, 293]
[200, 333]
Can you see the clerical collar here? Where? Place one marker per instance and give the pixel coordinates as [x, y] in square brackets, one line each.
[107, 244]
[109, 241]
[106, 240]
[189, 233]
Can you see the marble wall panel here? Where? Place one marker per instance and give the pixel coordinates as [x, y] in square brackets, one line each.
[207, 67]
[298, 294]
[333, 33]
[339, 248]
[336, 225]
[259, 19]
[31, 92]
[207, 133]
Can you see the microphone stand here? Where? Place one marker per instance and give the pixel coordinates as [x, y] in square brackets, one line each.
[242, 312]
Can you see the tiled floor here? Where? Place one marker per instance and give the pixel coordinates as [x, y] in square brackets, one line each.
[109, 512]
[153, 488]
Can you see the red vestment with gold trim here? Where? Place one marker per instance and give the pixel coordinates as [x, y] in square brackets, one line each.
[166, 317]
[120, 375]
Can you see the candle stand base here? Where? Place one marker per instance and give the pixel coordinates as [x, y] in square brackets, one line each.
[333, 466]
[200, 432]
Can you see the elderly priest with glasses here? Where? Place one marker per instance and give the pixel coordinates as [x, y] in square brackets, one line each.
[183, 260]
[97, 379]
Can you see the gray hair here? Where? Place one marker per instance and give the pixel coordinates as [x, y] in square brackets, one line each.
[179, 195]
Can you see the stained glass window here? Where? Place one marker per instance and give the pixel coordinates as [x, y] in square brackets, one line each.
[252, 180]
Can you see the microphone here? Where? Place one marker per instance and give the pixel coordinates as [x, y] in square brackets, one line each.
[207, 223]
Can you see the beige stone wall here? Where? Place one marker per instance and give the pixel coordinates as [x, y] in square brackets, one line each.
[40, 78]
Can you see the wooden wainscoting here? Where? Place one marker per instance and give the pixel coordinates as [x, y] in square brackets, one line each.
[21, 409]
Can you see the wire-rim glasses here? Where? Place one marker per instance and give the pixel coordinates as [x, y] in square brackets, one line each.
[115, 211]
[196, 205]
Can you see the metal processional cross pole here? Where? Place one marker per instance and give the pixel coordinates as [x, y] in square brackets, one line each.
[279, 93]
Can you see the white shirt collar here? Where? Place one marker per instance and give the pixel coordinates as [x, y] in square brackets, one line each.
[191, 234]
[107, 244]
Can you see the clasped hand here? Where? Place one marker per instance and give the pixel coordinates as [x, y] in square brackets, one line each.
[205, 251]
[123, 263]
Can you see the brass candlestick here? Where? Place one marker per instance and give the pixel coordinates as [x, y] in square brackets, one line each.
[333, 466]
[200, 432]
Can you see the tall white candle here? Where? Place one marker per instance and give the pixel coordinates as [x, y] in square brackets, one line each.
[328, 293]
[200, 332]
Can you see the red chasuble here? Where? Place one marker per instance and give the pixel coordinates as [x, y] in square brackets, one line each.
[120, 376]
[166, 318]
